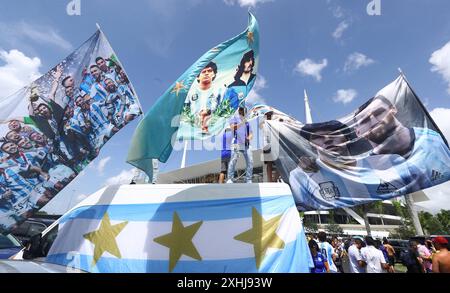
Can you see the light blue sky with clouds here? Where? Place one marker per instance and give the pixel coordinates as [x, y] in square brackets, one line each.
[334, 49]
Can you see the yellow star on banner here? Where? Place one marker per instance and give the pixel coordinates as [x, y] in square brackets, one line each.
[104, 239]
[250, 37]
[178, 87]
[179, 241]
[262, 235]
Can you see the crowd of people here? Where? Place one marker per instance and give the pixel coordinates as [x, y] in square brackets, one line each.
[369, 255]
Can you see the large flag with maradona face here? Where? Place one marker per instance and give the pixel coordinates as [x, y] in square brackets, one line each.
[388, 147]
[199, 103]
[184, 229]
[51, 129]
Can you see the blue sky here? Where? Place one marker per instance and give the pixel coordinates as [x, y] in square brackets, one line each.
[334, 49]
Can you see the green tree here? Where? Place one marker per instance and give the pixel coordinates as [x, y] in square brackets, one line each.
[362, 210]
[444, 218]
[333, 228]
[435, 224]
[406, 228]
[404, 231]
[309, 225]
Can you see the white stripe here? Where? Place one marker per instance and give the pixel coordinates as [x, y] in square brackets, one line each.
[214, 240]
[143, 193]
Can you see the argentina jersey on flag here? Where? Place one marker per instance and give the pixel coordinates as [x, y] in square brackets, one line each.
[184, 229]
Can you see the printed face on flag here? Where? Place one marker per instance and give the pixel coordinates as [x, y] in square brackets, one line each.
[387, 148]
[52, 129]
[217, 93]
[219, 89]
[376, 121]
[198, 104]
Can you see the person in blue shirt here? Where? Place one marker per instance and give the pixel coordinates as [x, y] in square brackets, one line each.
[97, 90]
[242, 135]
[93, 123]
[108, 71]
[203, 98]
[319, 260]
[225, 156]
[114, 103]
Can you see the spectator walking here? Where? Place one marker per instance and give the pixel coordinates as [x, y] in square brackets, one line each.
[411, 259]
[320, 261]
[373, 257]
[357, 264]
[441, 260]
[425, 255]
[339, 251]
[390, 252]
[327, 250]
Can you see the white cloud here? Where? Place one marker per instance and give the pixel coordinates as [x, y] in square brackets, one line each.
[18, 71]
[345, 96]
[357, 60]
[440, 61]
[311, 68]
[341, 28]
[337, 11]
[102, 164]
[439, 198]
[39, 33]
[440, 116]
[439, 195]
[249, 3]
[255, 96]
[123, 177]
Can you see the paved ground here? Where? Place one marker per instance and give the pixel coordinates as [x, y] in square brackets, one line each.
[399, 268]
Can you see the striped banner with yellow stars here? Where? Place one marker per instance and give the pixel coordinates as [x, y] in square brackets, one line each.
[184, 228]
[200, 102]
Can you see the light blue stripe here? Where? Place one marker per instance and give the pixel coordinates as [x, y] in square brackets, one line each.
[294, 258]
[208, 210]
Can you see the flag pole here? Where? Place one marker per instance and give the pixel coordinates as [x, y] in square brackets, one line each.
[409, 201]
[183, 160]
[308, 115]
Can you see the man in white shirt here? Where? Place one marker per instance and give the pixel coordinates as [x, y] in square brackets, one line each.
[357, 265]
[373, 257]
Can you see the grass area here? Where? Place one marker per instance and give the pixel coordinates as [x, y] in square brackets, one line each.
[399, 268]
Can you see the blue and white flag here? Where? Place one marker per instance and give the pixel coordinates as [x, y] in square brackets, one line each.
[200, 102]
[184, 228]
[388, 147]
[51, 129]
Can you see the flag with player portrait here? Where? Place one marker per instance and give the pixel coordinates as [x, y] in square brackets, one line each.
[54, 127]
[388, 147]
[200, 102]
[184, 229]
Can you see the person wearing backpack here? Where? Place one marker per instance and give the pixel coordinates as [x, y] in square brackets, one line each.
[411, 259]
